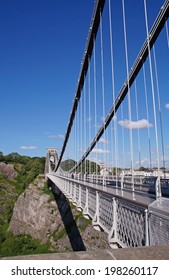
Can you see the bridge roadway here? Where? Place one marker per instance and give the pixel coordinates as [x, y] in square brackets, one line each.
[138, 197]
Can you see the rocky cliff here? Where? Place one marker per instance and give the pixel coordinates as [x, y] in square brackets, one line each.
[48, 216]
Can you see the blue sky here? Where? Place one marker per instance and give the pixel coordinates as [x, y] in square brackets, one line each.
[42, 44]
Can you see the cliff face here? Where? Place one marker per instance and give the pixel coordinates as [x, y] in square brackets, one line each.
[7, 170]
[49, 217]
[34, 213]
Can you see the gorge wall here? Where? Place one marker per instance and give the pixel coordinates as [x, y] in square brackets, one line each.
[49, 217]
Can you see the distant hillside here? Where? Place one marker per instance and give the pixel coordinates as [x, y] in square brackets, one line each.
[66, 165]
[86, 167]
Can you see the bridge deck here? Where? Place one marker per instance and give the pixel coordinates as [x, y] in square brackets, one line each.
[137, 197]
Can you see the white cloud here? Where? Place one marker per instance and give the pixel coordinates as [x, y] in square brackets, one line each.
[61, 136]
[135, 125]
[167, 105]
[100, 151]
[28, 147]
[103, 140]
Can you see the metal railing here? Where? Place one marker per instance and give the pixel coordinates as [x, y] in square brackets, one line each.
[128, 223]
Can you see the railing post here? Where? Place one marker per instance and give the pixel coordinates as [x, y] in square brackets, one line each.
[79, 204]
[86, 208]
[74, 192]
[70, 190]
[147, 240]
[112, 237]
[158, 187]
[122, 181]
[95, 221]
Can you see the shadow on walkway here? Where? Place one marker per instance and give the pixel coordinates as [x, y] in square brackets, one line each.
[67, 218]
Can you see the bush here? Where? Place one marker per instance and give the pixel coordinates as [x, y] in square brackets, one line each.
[22, 245]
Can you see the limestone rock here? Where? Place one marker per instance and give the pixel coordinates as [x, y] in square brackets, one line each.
[7, 170]
[51, 218]
[34, 214]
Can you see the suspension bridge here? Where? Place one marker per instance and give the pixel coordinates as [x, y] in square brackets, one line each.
[114, 162]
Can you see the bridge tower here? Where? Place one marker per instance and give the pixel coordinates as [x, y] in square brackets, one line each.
[51, 159]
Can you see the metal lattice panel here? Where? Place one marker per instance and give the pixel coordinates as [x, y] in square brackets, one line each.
[71, 190]
[83, 196]
[159, 229]
[106, 212]
[159, 221]
[74, 191]
[130, 225]
[92, 202]
[77, 192]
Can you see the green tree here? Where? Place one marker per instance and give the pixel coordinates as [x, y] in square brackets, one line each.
[116, 171]
[11, 157]
[22, 245]
[1, 156]
[89, 167]
[142, 168]
[68, 164]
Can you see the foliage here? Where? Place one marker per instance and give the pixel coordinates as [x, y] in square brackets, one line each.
[26, 169]
[142, 168]
[1, 156]
[87, 166]
[58, 234]
[21, 245]
[68, 164]
[116, 171]
[46, 190]
[29, 171]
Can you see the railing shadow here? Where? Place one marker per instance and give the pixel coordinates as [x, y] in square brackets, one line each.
[67, 218]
